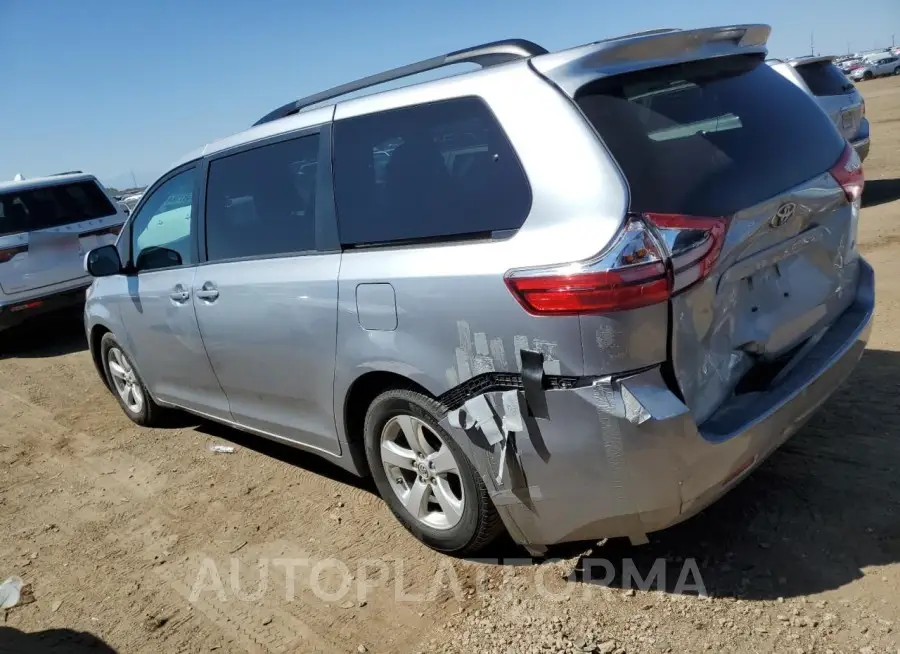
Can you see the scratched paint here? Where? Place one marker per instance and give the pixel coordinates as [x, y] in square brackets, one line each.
[481, 344]
[519, 343]
[479, 353]
[498, 353]
[551, 361]
[610, 341]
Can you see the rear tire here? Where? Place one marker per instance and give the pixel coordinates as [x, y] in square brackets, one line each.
[126, 384]
[897, 70]
[449, 511]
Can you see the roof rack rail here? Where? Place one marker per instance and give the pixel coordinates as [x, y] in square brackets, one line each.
[68, 172]
[484, 55]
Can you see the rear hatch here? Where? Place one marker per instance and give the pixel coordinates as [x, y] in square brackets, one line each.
[44, 232]
[730, 146]
[835, 93]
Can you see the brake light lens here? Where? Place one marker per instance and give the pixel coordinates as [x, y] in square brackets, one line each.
[7, 254]
[654, 257]
[848, 172]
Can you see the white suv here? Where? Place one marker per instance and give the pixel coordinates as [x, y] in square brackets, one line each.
[46, 226]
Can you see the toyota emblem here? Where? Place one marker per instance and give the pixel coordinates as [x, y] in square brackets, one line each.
[784, 214]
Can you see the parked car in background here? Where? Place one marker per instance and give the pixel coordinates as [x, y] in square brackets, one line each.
[834, 92]
[132, 200]
[583, 296]
[848, 65]
[46, 226]
[876, 66]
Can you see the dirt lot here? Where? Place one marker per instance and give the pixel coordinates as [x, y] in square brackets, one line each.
[145, 541]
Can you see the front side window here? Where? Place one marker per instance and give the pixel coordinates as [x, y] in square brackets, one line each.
[161, 230]
[262, 202]
[431, 171]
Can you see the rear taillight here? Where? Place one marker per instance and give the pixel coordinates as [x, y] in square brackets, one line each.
[8, 253]
[654, 257]
[848, 172]
[693, 245]
[863, 107]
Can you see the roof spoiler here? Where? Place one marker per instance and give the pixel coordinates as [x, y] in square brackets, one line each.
[810, 59]
[571, 69]
[484, 55]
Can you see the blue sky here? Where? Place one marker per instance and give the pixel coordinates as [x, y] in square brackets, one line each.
[110, 86]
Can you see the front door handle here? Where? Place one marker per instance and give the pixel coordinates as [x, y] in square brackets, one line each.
[208, 292]
[180, 294]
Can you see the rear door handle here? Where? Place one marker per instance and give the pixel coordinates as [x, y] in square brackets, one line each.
[180, 294]
[208, 292]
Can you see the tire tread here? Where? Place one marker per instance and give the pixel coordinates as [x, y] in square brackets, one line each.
[489, 525]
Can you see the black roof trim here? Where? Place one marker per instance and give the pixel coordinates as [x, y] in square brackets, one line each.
[484, 55]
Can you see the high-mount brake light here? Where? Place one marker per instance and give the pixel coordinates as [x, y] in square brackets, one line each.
[654, 257]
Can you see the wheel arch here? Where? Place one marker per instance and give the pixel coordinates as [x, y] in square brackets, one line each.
[357, 400]
[96, 335]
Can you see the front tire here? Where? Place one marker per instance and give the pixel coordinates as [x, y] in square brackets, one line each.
[126, 385]
[425, 478]
[868, 75]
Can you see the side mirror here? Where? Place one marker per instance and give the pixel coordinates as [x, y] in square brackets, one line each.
[103, 261]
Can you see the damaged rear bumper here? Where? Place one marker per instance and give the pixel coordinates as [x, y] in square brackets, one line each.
[624, 457]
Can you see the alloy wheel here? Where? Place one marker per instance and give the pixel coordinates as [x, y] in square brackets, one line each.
[422, 471]
[125, 380]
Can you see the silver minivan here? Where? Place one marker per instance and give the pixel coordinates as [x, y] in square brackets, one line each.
[835, 93]
[46, 226]
[572, 295]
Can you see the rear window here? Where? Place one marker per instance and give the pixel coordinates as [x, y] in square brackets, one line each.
[52, 206]
[709, 138]
[431, 171]
[824, 78]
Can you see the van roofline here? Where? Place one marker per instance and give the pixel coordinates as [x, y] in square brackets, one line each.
[484, 55]
[614, 55]
[501, 52]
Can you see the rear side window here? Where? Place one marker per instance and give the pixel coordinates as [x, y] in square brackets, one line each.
[432, 171]
[52, 206]
[709, 138]
[262, 202]
[824, 78]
